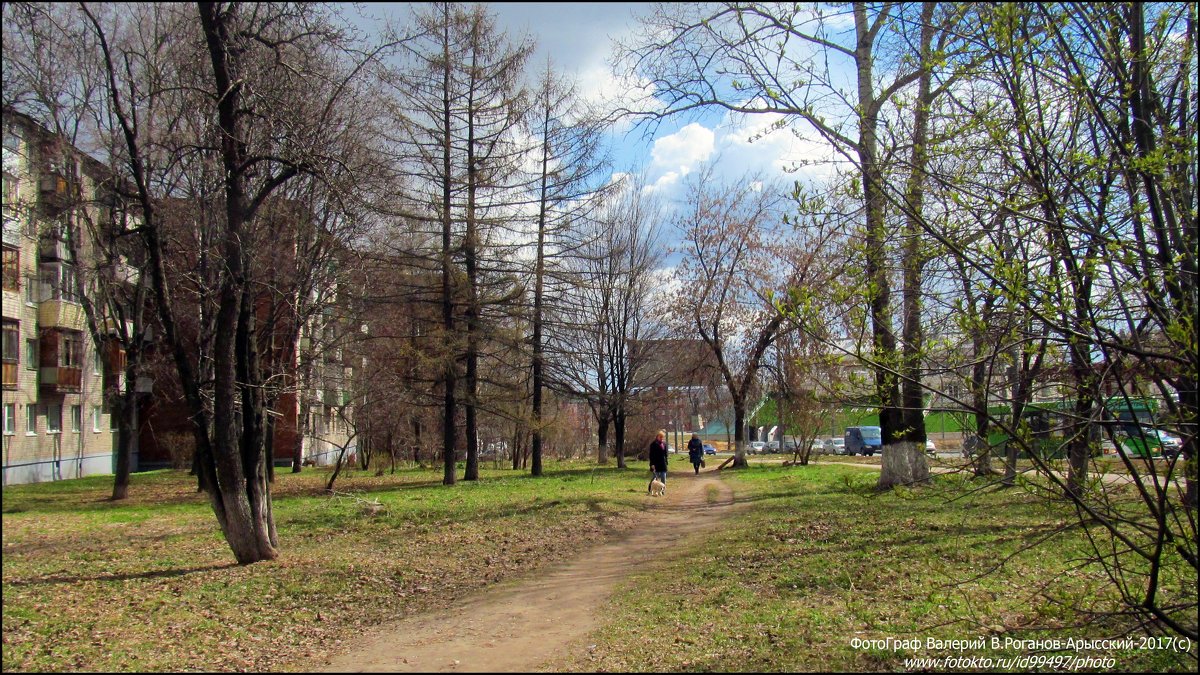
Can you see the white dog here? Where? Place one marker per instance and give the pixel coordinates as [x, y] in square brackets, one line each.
[657, 488]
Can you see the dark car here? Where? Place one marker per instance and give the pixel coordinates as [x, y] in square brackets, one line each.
[709, 450]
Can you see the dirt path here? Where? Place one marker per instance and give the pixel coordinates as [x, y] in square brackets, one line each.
[519, 625]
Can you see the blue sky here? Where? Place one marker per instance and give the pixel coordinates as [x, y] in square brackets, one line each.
[578, 37]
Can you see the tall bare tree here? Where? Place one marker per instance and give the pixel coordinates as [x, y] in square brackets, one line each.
[246, 104]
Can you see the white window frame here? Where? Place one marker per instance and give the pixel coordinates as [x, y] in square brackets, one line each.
[10, 419]
[31, 416]
[54, 418]
[96, 419]
[76, 418]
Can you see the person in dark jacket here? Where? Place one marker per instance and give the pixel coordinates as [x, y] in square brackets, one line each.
[658, 457]
[696, 452]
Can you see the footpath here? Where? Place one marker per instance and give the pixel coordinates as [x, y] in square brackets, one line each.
[517, 626]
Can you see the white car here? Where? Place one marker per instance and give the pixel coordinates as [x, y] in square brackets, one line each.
[835, 446]
[757, 448]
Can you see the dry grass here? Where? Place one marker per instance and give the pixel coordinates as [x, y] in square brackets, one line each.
[150, 585]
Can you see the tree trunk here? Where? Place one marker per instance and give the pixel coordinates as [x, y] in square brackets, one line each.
[241, 498]
[602, 439]
[619, 437]
[301, 414]
[909, 465]
[448, 401]
[470, 251]
[904, 459]
[739, 435]
[125, 409]
[538, 274]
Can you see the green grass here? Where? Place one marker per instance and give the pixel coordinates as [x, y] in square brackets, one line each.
[150, 584]
[815, 559]
[810, 560]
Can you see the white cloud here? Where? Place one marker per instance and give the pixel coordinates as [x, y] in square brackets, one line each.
[664, 183]
[683, 149]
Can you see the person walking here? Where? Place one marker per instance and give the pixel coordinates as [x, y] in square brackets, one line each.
[658, 457]
[696, 452]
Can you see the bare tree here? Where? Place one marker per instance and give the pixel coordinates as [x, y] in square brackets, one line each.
[747, 59]
[569, 167]
[258, 60]
[736, 253]
[608, 306]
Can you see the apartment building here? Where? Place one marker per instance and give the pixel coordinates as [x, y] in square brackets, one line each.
[56, 423]
[301, 330]
[58, 386]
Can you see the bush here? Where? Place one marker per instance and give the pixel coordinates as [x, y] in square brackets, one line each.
[181, 446]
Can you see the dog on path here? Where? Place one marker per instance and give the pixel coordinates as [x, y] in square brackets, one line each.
[657, 488]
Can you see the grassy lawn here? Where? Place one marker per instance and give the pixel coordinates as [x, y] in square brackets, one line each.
[811, 560]
[149, 584]
[815, 560]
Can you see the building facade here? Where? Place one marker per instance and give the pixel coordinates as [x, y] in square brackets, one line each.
[56, 423]
[58, 386]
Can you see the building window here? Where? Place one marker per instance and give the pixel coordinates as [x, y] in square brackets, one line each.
[30, 420]
[72, 349]
[31, 354]
[97, 362]
[58, 282]
[12, 269]
[10, 419]
[76, 418]
[31, 290]
[10, 353]
[96, 418]
[54, 418]
[11, 190]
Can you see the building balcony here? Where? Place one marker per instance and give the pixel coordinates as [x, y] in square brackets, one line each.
[55, 192]
[114, 366]
[59, 313]
[338, 398]
[60, 380]
[53, 248]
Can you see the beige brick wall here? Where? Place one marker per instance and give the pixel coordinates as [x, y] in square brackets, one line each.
[35, 454]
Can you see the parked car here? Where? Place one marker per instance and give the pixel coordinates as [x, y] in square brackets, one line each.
[863, 440]
[709, 450]
[817, 447]
[835, 446]
[1148, 442]
[1171, 444]
[772, 446]
[930, 447]
[757, 448]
